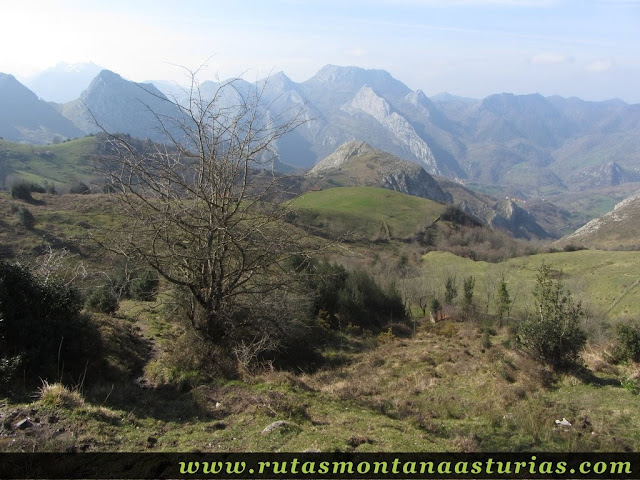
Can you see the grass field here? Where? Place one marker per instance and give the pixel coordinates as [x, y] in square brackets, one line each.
[56, 163]
[367, 212]
[607, 283]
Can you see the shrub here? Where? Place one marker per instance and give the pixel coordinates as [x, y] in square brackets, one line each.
[102, 299]
[50, 188]
[21, 190]
[42, 332]
[79, 187]
[354, 297]
[627, 346]
[26, 218]
[144, 286]
[553, 335]
[435, 308]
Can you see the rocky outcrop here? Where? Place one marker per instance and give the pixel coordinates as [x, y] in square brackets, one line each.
[609, 174]
[361, 165]
[626, 211]
[368, 102]
[508, 215]
[116, 105]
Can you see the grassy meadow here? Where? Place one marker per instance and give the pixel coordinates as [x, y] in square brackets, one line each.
[366, 212]
[58, 164]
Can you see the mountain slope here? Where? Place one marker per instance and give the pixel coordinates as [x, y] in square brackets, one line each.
[358, 164]
[58, 164]
[26, 118]
[116, 105]
[615, 230]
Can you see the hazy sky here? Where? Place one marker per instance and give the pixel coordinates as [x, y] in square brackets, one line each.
[588, 48]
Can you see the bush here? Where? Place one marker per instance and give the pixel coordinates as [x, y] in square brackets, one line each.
[50, 188]
[26, 218]
[58, 396]
[144, 286]
[354, 297]
[42, 332]
[79, 187]
[102, 299]
[21, 190]
[627, 346]
[553, 335]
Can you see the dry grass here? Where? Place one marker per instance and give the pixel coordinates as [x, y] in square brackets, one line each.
[58, 396]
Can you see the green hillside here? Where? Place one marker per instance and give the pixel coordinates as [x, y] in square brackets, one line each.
[56, 163]
[607, 283]
[366, 212]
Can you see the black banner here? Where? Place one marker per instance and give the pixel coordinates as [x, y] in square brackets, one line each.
[319, 465]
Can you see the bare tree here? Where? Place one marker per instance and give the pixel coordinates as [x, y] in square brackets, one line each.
[204, 208]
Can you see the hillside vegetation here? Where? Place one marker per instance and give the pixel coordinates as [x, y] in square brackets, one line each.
[607, 283]
[462, 384]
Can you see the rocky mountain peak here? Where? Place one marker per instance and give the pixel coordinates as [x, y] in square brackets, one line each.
[118, 105]
[342, 154]
[370, 102]
[418, 98]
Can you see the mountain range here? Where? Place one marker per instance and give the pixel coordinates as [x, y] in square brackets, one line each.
[521, 147]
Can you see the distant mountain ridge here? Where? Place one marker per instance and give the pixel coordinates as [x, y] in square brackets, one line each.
[116, 105]
[26, 118]
[516, 146]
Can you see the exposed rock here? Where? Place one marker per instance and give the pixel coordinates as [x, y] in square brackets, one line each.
[362, 165]
[275, 426]
[24, 424]
[121, 106]
[367, 101]
[612, 224]
[609, 174]
[510, 216]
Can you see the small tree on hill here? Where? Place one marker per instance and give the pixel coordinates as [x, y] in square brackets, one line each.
[503, 301]
[467, 299]
[553, 334]
[26, 218]
[450, 290]
[435, 309]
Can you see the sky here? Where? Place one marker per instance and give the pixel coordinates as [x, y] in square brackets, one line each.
[474, 48]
